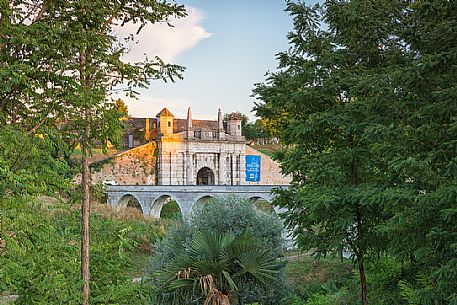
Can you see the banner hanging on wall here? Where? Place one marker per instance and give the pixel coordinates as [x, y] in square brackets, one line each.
[252, 168]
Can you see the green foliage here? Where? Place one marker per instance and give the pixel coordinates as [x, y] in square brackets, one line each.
[216, 262]
[27, 164]
[256, 130]
[384, 277]
[364, 102]
[171, 210]
[122, 108]
[60, 58]
[233, 214]
[244, 118]
[230, 215]
[41, 260]
[325, 279]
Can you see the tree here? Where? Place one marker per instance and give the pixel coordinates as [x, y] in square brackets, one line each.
[122, 108]
[328, 98]
[366, 107]
[244, 118]
[422, 157]
[27, 165]
[256, 130]
[61, 59]
[218, 264]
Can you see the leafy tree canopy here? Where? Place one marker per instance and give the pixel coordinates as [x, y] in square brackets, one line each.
[364, 102]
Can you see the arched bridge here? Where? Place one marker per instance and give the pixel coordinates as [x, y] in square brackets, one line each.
[151, 198]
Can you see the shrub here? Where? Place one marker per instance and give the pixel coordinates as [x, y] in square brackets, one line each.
[28, 164]
[232, 214]
[228, 215]
[171, 210]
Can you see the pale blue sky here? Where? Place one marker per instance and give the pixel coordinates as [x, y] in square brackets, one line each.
[226, 46]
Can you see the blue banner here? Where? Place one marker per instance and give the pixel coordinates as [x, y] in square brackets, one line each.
[252, 168]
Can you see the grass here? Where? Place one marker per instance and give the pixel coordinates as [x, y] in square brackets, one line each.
[321, 281]
[307, 269]
[268, 150]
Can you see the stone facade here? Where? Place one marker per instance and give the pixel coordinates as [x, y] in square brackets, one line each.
[200, 155]
[136, 166]
[270, 170]
[187, 152]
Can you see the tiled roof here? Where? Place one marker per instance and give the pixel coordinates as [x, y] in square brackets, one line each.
[164, 112]
[181, 124]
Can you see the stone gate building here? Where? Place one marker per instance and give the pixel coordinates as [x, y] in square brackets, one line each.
[197, 154]
[172, 151]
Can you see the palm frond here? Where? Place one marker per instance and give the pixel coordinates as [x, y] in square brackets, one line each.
[258, 264]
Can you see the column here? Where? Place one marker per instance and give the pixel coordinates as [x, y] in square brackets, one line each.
[222, 168]
[190, 169]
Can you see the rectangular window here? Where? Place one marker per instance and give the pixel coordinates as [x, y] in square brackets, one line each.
[239, 127]
[169, 124]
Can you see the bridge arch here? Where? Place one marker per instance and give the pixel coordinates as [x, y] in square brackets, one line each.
[256, 198]
[130, 201]
[201, 202]
[262, 203]
[158, 203]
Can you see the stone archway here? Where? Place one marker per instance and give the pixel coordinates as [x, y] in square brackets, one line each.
[160, 202]
[205, 176]
[201, 202]
[171, 210]
[262, 204]
[130, 201]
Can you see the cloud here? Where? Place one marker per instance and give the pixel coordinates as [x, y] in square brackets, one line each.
[164, 41]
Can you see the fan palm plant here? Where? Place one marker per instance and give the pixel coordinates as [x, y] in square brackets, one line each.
[212, 269]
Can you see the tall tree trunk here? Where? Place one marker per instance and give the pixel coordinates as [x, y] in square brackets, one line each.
[359, 251]
[85, 211]
[360, 259]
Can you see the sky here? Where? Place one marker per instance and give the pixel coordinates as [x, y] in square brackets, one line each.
[226, 47]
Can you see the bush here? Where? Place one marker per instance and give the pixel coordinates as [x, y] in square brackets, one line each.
[232, 214]
[228, 215]
[323, 281]
[383, 278]
[171, 210]
[41, 259]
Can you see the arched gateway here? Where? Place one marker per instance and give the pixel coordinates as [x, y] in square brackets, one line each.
[152, 197]
[205, 176]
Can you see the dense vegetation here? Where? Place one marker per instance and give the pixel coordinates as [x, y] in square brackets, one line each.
[40, 256]
[60, 62]
[364, 103]
[229, 243]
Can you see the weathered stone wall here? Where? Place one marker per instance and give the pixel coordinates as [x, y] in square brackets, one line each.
[132, 167]
[181, 157]
[138, 166]
[270, 170]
